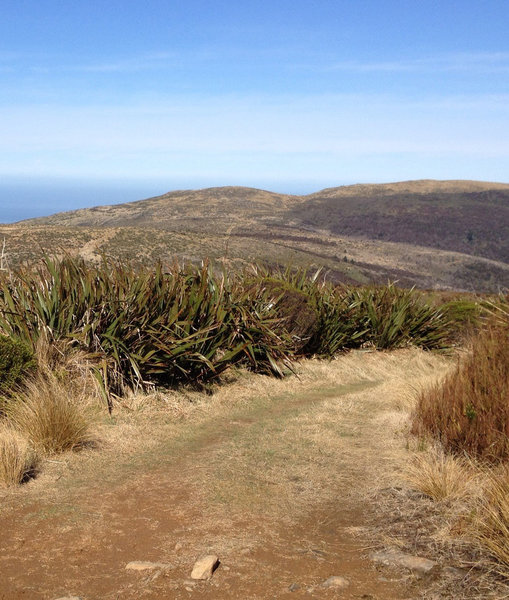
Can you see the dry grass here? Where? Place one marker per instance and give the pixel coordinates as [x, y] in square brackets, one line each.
[442, 477]
[18, 461]
[70, 365]
[49, 414]
[490, 521]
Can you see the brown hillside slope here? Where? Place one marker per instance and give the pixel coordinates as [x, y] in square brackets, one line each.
[464, 216]
[439, 234]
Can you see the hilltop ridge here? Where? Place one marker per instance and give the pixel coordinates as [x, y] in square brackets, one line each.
[449, 234]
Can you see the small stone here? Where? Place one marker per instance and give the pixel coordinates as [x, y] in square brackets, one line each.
[140, 565]
[205, 566]
[294, 587]
[336, 581]
[178, 546]
[418, 565]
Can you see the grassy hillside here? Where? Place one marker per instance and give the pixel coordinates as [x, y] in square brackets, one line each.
[434, 234]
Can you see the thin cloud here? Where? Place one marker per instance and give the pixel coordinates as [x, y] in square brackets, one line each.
[483, 62]
[146, 62]
[45, 64]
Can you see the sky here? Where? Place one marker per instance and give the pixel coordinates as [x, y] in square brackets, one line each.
[104, 102]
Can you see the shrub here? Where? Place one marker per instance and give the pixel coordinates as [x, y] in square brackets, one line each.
[395, 318]
[18, 461]
[293, 308]
[143, 326]
[48, 415]
[469, 410]
[464, 313]
[16, 361]
[339, 327]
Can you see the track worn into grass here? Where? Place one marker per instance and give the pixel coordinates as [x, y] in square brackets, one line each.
[275, 477]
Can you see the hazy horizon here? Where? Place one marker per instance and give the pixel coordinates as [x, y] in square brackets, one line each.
[22, 198]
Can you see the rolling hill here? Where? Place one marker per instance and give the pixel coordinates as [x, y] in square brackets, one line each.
[434, 234]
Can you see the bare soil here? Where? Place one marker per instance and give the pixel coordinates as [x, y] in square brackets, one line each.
[278, 478]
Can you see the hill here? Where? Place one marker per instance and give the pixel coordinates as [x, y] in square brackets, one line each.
[435, 234]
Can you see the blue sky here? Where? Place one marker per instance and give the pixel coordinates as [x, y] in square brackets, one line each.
[291, 96]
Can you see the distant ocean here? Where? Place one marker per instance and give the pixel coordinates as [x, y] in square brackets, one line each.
[25, 199]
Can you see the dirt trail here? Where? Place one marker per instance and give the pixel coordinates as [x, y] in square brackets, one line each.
[279, 486]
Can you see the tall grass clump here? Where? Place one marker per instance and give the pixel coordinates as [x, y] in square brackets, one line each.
[319, 317]
[441, 476]
[489, 524]
[339, 328]
[18, 461]
[469, 410]
[331, 319]
[48, 414]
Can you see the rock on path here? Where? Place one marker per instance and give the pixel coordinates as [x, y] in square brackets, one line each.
[336, 581]
[205, 566]
[417, 564]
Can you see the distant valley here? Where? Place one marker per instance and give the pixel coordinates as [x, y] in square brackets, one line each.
[432, 234]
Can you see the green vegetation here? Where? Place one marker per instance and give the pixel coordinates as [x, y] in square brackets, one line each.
[16, 361]
[141, 326]
[395, 318]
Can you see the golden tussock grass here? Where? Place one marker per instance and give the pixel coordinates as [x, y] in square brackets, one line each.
[18, 461]
[50, 415]
[489, 525]
[441, 476]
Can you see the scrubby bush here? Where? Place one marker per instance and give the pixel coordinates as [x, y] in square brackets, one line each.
[464, 313]
[394, 317]
[339, 327]
[145, 327]
[469, 410]
[16, 361]
[292, 305]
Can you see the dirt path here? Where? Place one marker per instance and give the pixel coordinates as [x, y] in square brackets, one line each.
[276, 478]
